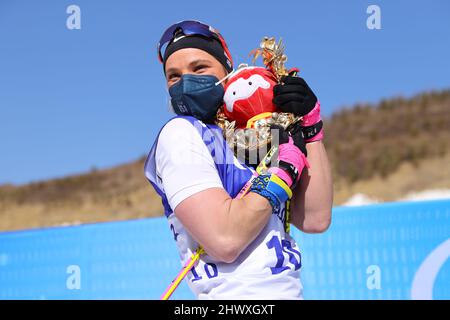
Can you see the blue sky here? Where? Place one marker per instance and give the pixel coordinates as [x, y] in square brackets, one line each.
[74, 99]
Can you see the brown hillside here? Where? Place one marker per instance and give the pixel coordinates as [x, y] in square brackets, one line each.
[383, 150]
[112, 194]
[367, 140]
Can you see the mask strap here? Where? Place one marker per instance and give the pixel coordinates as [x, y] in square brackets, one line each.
[242, 65]
[226, 77]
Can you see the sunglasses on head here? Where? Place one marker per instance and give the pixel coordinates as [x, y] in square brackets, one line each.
[190, 27]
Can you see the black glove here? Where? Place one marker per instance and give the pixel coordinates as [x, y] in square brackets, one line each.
[291, 155]
[294, 96]
[295, 132]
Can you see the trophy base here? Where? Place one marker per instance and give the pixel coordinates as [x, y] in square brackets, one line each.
[250, 145]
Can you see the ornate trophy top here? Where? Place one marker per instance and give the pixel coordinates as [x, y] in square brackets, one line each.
[273, 56]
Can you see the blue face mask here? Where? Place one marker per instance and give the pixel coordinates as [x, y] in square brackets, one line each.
[197, 95]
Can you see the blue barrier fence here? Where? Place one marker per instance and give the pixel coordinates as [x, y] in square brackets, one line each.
[386, 251]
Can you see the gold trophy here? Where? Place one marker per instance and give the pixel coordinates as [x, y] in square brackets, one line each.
[252, 143]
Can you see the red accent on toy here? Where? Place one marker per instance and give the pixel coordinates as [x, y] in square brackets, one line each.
[249, 92]
[293, 71]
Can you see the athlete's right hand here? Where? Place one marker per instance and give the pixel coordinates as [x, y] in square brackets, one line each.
[292, 153]
[277, 184]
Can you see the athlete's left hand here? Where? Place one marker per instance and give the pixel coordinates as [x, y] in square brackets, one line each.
[294, 95]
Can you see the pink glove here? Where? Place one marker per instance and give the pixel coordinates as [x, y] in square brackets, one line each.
[291, 157]
[312, 125]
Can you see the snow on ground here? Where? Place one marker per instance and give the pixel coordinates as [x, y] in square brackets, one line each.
[427, 195]
[361, 199]
[68, 224]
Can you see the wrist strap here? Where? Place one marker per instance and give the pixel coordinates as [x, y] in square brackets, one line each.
[311, 131]
[273, 188]
[290, 169]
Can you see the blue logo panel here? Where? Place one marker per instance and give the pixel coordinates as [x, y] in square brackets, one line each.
[386, 251]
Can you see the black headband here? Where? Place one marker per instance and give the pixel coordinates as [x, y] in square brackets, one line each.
[210, 45]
